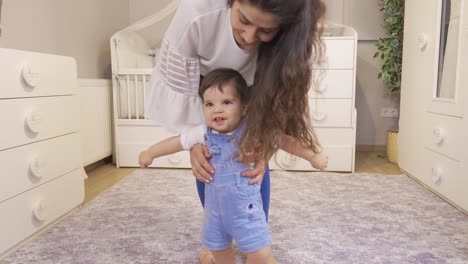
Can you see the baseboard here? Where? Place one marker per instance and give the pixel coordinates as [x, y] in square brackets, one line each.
[94, 82]
[427, 187]
[371, 147]
[98, 163]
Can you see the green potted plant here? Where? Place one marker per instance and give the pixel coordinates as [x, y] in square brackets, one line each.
[390, 51]
[390, 48]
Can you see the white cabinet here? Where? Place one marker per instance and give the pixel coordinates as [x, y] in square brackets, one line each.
[434, 114]
[332, 103]
[40, 159]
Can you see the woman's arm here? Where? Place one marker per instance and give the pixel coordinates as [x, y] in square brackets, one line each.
[201, 168]
[296, 148]
[257, 173]
[162, 148]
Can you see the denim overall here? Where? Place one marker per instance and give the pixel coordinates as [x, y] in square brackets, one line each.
[233, 208]
[264, 190]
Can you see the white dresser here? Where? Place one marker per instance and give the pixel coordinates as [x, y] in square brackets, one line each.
[40, 159]
[332, 103]
[433, 146]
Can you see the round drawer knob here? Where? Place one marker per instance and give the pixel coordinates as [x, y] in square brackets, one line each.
[437, 174]
[323, 88]
[31, 75]
[174, 159]
[36, 166]
[438, 135]
[318, 116]
[422, 40]
[40, 211]
[34, 121]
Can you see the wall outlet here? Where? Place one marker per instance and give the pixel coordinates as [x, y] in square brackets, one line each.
[389, 112]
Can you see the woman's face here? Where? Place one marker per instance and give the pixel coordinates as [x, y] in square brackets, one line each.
[251, 25]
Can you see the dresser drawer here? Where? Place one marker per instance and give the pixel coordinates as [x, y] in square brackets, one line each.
[332, 84]
[29, 74]
[335, 136]
[446, 177]
[29, 212]
[32, 119]
[339, 54]
[331, 112]
[340, 158]
[34, 164]
[444, 134]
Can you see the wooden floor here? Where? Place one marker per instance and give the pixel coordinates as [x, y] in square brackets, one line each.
[103, 176]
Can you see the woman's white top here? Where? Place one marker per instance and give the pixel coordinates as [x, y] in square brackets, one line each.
[198, 40]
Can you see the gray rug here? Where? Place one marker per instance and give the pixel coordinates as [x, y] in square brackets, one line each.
[154, 216]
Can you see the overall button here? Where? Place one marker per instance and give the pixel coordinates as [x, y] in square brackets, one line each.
[215, 150]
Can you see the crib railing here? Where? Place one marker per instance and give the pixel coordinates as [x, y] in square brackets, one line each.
[130, 89]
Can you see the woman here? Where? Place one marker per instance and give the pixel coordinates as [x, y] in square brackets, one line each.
[270, 43]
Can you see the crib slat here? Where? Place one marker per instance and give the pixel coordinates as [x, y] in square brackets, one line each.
[127, 82]
[119, 91]
[135, 93]
[136, 96]
[144, 92]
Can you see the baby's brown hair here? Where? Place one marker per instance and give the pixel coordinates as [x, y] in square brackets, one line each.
[223, 76]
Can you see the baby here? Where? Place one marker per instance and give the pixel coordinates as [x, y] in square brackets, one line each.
[233, 207]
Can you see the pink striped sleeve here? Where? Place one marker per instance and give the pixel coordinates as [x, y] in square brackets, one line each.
[179, 73]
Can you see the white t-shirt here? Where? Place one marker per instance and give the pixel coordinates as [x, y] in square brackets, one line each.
[192, 136]
[198, 40]
[196, 135]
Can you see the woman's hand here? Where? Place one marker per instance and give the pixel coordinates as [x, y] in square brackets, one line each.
[201, 168]
[256, 173]
[319, 161]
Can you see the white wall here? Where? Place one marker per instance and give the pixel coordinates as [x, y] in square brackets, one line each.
[80, 29]
[90, 25]
[1, 4]
[334, 10]
[30, 25]
[143, 8]
[371, 96]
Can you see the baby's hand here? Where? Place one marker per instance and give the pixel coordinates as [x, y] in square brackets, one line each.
[319, 161]
[144, 159]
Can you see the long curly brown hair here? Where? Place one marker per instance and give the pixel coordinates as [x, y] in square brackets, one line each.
[279, 102]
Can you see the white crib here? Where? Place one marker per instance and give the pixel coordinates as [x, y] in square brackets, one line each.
[134, 51]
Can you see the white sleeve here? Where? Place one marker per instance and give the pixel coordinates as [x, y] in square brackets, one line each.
[192, 136]
[172, 95]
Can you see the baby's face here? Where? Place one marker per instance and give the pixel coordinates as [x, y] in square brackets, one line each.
[223, 110]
